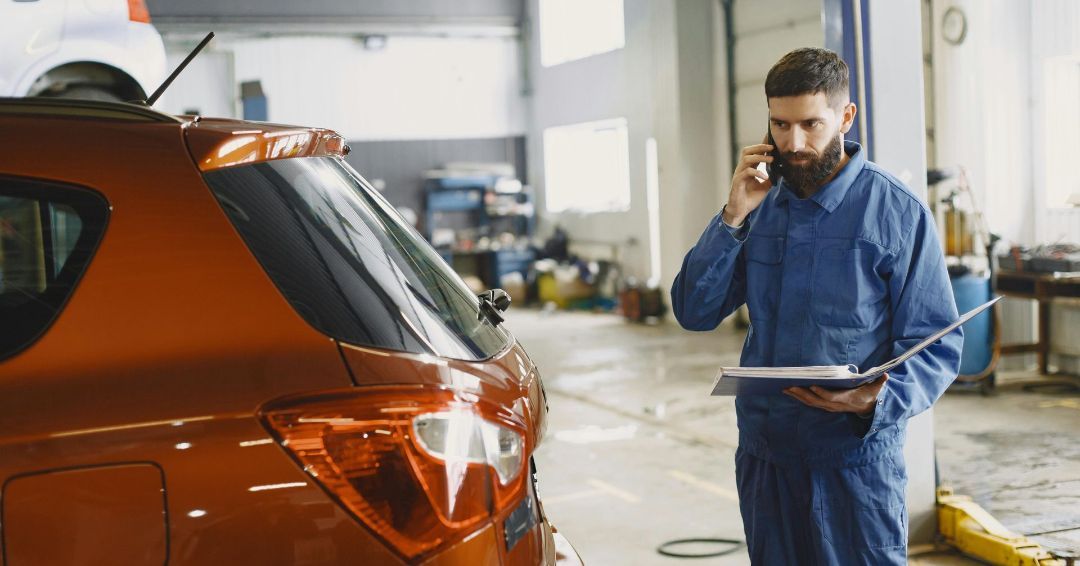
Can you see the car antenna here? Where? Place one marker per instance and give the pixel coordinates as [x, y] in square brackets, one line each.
[161, 89]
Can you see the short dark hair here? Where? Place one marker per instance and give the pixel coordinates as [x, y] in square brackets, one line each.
[809, 70]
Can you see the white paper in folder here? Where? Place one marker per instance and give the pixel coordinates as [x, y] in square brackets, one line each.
[773, 380]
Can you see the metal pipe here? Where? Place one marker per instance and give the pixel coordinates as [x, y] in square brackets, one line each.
[860, 78]
[729, 48]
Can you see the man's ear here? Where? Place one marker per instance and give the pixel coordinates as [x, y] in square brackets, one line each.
[847, 118]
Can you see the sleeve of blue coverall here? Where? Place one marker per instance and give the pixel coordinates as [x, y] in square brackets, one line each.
[712, 281]
[922, 303]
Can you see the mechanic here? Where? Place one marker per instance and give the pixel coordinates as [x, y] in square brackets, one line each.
[838, 263]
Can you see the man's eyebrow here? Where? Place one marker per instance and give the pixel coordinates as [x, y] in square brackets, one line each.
[804, 120]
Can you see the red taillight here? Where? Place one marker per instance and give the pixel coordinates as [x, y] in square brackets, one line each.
[421, 466]
[138, 12]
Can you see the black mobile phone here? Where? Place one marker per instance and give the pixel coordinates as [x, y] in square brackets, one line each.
[777, 168]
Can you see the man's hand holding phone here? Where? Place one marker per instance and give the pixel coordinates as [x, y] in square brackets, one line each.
[749, 184]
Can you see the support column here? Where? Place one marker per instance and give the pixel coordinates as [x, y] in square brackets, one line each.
[898, 119]
[885, 36]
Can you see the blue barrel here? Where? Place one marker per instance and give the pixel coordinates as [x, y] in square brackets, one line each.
[971, 291]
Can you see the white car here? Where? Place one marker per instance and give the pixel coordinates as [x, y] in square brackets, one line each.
[96, 49]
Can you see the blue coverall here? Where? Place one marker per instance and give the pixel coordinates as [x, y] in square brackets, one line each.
[852, 275]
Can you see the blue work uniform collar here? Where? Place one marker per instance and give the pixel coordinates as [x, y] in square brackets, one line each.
[832, 194]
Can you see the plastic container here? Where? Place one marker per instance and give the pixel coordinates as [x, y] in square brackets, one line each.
[971, 291]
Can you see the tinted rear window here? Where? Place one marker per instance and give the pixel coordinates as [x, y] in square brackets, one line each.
[346, 261]
[48, 233]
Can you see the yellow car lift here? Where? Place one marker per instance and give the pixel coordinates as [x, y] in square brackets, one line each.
[969, 528]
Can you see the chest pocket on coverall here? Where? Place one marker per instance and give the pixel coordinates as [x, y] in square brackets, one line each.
[847, 291]
[764, 268]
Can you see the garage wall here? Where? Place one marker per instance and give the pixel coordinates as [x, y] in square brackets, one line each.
[989, 135]
[764, 31]
[368, 9]
[206, 87]
[1055, 80]
[414, 88]
[664, 82]
[995, 114]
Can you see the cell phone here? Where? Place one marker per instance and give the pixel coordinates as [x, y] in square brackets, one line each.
[777, 168]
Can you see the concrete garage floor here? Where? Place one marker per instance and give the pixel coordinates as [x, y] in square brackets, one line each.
[637, 453]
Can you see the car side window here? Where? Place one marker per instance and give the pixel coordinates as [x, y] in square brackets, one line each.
[48, 234]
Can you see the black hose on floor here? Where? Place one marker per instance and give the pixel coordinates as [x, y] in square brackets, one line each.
[735, 543]
[1059, 387]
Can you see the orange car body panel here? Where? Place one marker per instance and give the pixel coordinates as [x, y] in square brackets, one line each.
[174, 318]
[175, 336]
[116, 515]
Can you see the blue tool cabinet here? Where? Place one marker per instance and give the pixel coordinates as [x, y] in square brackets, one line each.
[470, 206]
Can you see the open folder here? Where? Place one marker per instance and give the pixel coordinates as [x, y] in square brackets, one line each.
[771, 381]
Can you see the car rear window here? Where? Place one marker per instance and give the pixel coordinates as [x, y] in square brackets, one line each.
[348, 263]
[48, 234]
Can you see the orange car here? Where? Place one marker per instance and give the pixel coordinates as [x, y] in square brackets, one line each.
[219, 345]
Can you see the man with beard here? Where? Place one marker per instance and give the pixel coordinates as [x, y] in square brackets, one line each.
[838, 263]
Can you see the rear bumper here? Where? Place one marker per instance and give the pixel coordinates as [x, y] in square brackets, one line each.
[482, 548]
[565, 553]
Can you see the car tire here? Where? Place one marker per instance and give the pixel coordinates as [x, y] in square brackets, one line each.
[86, 92]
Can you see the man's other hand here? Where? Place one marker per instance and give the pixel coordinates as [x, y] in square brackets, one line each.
[859, 400]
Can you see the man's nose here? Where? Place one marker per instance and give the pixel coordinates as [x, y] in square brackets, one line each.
[798, 140]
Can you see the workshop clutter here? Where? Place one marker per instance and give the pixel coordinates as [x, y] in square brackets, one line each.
[980, 266]
[597, 286]
[563, 285]
[514, 284]
[563, 279]
[577, 284]
[1041, 259]
[480, 218]
[966, 235]
[969, 246]
[641, 303]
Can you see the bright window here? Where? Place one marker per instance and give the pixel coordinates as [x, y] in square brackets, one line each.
[574, 29]
[586, 167]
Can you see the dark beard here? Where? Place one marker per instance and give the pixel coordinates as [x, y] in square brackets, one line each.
[807, 179]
